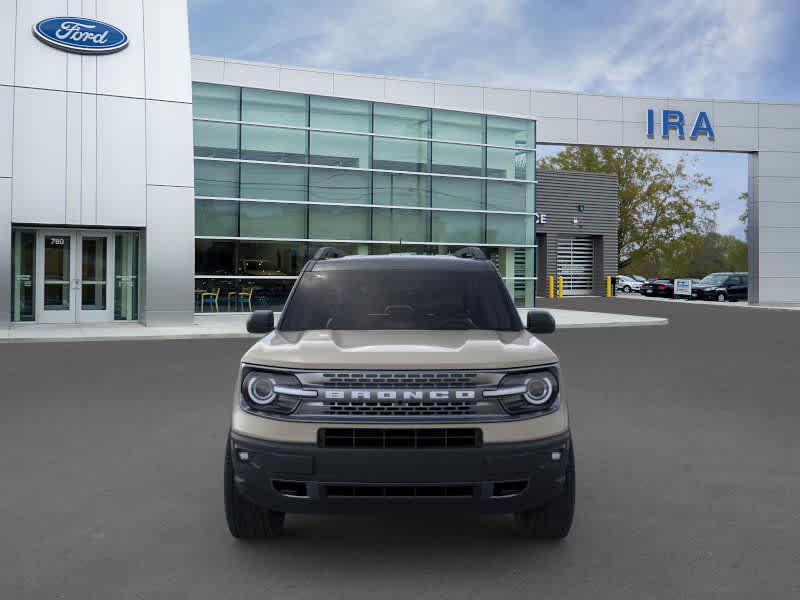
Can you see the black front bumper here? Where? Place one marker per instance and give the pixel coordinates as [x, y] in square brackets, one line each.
[304, 478]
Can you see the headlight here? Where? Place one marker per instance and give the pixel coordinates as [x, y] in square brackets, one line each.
[534, 391]
[265, 391]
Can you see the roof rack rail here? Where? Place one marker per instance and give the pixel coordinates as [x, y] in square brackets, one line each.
[327, 252]
[470, 252]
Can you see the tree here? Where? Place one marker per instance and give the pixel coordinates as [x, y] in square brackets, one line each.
[659, 202]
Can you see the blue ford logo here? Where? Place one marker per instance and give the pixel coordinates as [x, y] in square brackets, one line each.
[76, 34]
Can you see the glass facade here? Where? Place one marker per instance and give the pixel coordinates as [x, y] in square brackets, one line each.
[279, 174]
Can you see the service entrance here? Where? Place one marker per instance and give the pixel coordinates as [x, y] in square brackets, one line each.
[576, 264]
[74, 271]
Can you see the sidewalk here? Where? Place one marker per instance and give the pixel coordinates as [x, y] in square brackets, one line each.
[233, 326]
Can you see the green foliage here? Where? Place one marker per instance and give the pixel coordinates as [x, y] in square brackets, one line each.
[694, 255]
[660, 203]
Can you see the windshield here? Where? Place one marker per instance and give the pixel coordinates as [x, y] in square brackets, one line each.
[400, 299]
[714, 279]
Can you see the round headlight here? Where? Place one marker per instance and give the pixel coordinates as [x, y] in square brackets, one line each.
[538, 389]
[260, 389]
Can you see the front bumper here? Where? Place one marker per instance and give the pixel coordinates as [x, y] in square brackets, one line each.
[304, 478]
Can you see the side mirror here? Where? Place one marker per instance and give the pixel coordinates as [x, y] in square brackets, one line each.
[540, 321]
[261, 321]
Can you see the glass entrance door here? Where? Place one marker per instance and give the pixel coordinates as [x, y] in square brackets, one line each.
[73, 275]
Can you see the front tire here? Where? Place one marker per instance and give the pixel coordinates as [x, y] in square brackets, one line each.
[553, 520]
[245, 519]
[627, 289]
[722, 297]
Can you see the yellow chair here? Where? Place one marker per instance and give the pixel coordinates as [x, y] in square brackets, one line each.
[246, 295]
[212, 297]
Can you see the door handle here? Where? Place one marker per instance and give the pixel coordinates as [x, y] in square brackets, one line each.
[76, 284]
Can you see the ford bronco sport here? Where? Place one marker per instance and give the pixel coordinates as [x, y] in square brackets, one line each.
[396, 382]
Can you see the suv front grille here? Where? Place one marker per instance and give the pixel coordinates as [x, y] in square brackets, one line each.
[399, 491]
[399, 438]
[397, 380]
[387, 408]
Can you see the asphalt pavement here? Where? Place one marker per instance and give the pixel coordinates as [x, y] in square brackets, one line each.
[688, 470]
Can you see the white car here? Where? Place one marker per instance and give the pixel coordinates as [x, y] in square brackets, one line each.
[627, 284]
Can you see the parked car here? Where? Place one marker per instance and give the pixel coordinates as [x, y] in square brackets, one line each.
[639, 278]
[722, 287]
[628, 284]
[663, 288]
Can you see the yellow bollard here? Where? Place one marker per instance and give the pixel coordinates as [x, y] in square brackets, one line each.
[608, 287]
[561, 286]
[551, 287]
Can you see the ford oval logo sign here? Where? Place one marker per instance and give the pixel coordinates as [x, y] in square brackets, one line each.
[76, 34]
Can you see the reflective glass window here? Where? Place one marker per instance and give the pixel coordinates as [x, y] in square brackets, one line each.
[452, 192]
[280, 108]
[23, 260]
[273, 182]
[401, 190]
[401, 224]
[339, 185]
[457, 159]
[273, 144]
[507, 131]
[337, 113]
[272, 259]
[265, 219]
[339, 150]
[338, 223]
[400, 155]
[508, 229]
[457, 227]
[215, 101]
[215, 294]
[126, 276]
[220, 140]
[216, 178]
[509, 164]
[214, 257]
[216, 217]
[457, 126]
[406, 121]
[507, 195]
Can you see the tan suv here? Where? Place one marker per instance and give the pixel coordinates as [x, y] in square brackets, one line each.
[396, 382]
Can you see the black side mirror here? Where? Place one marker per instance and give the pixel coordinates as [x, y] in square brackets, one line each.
[261, 321]
[540, 321]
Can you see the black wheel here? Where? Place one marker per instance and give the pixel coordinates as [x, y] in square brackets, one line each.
[721, 297]
[627, 289]
[553, 520]
[245, 519]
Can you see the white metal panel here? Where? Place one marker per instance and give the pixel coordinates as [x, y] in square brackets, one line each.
[6, 127]
[779, 264]
[8, 23]
[89, 159]
[779, 214]
[778, 189]
[168, 64]
[738, 139]
[407, 91]
[780, 140]
[778, 164]
[634, 109]
[556, 131]
[779, 290]
[39, 156]
[122, 73]
[169, 143]
[464, 97]
[635, 135]
[358, 86]
[779, 115]
[307, 81]
[555, 104]
[249, 75]
[779, 239]
[735, 114]
[121, 169]
[74, 158]
[575, 263]
[599, 108]
[600, 133]
[169, 255]
[37, 64]
[205, 69]
[507, 102]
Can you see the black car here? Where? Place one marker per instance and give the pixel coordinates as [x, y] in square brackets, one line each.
[663, 288]
[722, 287]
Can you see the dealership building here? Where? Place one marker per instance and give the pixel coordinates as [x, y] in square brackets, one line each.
[139, 183]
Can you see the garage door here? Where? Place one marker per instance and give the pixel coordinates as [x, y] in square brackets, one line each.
[576, 264]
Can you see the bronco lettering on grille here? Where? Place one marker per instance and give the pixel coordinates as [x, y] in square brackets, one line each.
[399, 395]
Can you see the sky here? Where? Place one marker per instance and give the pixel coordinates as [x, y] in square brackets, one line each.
[732, 49]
